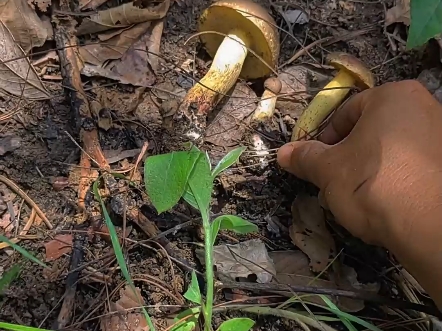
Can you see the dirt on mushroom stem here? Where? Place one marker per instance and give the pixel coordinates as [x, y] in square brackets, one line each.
[206, 94]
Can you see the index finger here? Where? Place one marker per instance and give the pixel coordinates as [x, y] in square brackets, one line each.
[345, 118]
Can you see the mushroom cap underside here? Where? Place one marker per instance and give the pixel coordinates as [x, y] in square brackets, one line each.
[344, 61]
[227, 15]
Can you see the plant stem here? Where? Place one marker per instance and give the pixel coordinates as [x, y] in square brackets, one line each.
[209, 270]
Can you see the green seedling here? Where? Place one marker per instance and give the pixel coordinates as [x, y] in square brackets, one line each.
[188, 175]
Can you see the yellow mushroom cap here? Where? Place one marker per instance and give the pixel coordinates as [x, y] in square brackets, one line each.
[344, 61]
[273, 84]
[225, 15]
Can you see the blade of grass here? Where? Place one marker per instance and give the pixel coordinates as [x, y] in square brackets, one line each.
[16, 327]
[23, 251]
[118, 251]
[9, 276]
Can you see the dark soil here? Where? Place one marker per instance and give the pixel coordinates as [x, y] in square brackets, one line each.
[257, 193]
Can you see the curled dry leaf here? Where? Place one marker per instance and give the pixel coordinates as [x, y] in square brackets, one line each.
[399, 13]
[241, 260]
[309, 232]
[23, 23]
[60, 245]
[18, 77]
[126, 319]
[122, 16]
[227, 128]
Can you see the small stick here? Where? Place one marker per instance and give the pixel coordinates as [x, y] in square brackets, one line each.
[31, 202]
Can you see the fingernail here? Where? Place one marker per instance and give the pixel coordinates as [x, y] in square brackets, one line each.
[284, 155]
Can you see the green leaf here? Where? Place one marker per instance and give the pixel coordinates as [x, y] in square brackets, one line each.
[16, 327]
[189, 198]
[22, 251]
[188, 324]
[231, 222]
[166, 177]
[237, 324]
[201, 183]
[9, 276]
[426, 21]
[193, 292]
[118, 251]
[229, 159]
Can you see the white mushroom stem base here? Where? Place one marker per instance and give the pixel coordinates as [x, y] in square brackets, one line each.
[266, 106]
[322, 105]
[222, 75]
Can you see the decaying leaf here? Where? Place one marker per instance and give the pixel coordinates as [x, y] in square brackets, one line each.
[346, 278]
[241, 260]
[60, 245]
[114, 47]
[7, 221]
[399, 13]
[133, 67]
[309, 232]
[294, 81]
[121, 16]
[9, 144]
[23, 23]
[18, 77]
[292, 268]
[42, 5]
[153, 44]
[227, 128]
[91, 4]
[126, 319]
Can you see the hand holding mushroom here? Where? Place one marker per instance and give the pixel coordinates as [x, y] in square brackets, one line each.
[352, 72]
[242, 25]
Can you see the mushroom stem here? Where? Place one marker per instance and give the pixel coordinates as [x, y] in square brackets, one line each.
[222, 75]
[322, 105]
[266, 106]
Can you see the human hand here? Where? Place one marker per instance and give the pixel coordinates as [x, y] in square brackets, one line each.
[377, 162]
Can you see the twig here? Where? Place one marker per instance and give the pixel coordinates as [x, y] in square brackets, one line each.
[67, 308]
[31, 202]
[359, 295]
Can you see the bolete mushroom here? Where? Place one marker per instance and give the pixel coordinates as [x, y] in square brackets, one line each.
[352, 72]
[266, 106]
[242, 26]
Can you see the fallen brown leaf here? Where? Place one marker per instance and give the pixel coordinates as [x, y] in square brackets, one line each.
[7, 221]
[153, 44]
[114, 47]
[42, 5]
[9, 144]
[91, 4]
[126, 319]
[60, 245]
[133, 67]
[241, 260]
[18, 77]
[292, 268]
[23, 23]
[399, 13]
[345, 278]
[228, 127]
[121, 16]
[309, 232]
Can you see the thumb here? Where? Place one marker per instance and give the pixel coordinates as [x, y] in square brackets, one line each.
[308, 160]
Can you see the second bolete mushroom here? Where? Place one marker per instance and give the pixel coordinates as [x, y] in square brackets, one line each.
[352, 72]
[266, 106]
[242, 26]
